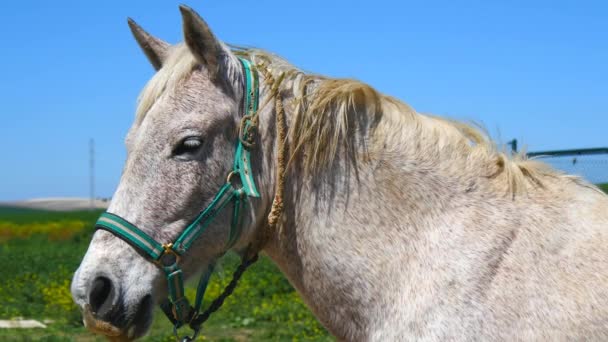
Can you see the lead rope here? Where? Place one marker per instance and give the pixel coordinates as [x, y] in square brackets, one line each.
[276, 209]
[197, 322]
[277, 204]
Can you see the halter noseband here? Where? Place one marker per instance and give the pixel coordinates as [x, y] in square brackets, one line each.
[167, 255]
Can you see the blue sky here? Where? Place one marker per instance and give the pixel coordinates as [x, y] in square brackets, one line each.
[532, 70]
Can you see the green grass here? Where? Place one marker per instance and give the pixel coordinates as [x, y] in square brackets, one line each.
[604, 187]
[37, 270]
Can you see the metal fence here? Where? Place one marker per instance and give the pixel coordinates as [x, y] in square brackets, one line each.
[590, 163]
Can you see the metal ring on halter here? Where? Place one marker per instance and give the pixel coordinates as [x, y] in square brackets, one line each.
[239, 192]
[168, 251]
[230, 175]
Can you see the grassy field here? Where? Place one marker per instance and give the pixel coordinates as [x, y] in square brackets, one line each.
[39, 251]
[604, 187]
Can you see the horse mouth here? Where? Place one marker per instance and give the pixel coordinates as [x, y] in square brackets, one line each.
[134, 328]
[98, 326]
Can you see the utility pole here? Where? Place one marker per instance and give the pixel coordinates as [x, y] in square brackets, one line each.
[92, 173]
[513, 144]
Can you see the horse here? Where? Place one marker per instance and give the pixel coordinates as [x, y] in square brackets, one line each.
[392, 225]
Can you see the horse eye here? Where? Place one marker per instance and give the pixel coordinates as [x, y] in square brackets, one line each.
[189, 145]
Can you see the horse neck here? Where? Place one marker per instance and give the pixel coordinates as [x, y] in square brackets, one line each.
[341, 225]
[360, 241]
[405, 164]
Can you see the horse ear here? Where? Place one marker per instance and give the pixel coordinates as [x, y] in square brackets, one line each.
[155, 49]
[207, 49]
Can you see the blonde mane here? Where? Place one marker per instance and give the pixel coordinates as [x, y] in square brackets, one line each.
[331, 115]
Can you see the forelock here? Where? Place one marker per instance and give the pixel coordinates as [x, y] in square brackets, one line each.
[176, 69]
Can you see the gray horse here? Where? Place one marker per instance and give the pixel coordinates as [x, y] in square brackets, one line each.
[394, 225]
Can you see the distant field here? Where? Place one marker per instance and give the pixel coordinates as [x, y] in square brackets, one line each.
[264, 306]
[26, 215]
[61, 204]
[604, 187]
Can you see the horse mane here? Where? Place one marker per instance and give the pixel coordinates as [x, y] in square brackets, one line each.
[331, 115]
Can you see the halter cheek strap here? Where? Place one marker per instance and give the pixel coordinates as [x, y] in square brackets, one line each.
[167, 256]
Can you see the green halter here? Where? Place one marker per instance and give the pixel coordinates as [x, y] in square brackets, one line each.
[167, 256]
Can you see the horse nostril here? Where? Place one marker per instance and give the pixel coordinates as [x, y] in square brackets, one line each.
[101, 294]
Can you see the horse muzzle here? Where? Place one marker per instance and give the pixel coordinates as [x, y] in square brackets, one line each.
[105, 313]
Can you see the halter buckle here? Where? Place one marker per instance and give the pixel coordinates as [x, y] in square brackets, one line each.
[248, 129]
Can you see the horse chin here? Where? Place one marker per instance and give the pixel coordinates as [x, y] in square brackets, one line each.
[136, 327]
